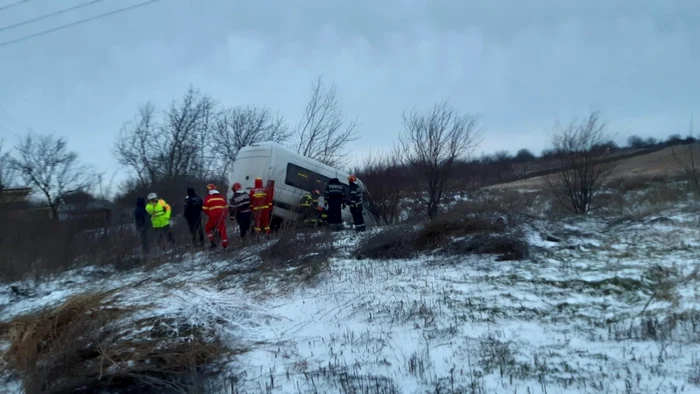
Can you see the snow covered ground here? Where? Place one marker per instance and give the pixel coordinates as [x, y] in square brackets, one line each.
[607, 306]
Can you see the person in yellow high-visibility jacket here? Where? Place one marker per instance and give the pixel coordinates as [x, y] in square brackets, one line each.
[160, 213]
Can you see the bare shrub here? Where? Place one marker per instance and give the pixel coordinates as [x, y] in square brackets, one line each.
[484, 233]
[507, 246]
[20, 256]
[324, 132]
[430, 145]
[91, 343]
[583, 170]
[387, 182]
[71, 244]
[45, 163]
[689, 162]
[396, 242]
[446, 226]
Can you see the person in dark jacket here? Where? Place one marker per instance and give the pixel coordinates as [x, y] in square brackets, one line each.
[355, 203]
[141, 219]
[239, 208]
[334, 200]
[193, 215]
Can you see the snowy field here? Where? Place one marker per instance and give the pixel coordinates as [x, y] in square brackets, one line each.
[599, 307]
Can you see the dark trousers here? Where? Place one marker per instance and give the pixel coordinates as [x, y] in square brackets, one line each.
[335, 215]
[244, 220]
[143, 237]
[357, 217]
[164, 234]
[196, 231]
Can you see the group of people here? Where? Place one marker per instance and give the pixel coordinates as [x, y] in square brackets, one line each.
[247, 209]
[335, 199]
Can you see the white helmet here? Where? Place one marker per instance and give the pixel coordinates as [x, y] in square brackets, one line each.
[152, 196]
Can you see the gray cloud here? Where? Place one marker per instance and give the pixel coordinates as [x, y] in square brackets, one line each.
[521, 64]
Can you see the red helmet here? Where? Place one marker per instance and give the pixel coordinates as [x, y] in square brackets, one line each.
[352, 178]
[236, 186]
[316, 192]
[211, 186]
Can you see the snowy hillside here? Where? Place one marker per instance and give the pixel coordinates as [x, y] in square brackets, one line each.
[599, 306]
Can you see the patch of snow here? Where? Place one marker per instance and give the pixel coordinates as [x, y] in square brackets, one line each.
[566, 321]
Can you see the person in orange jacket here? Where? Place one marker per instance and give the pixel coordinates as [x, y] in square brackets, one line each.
[260, 204]
[216, 208]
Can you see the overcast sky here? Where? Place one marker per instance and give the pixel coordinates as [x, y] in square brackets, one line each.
[521, 64]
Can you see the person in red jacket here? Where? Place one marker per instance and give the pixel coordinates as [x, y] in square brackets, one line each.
[216, 209]
[260, 204]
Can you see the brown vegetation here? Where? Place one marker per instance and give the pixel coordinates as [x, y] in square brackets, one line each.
[583, 171]
[92, 343]
[35, 248]
[431, 144]
[481, 233]
[298, 254]
[387, 180]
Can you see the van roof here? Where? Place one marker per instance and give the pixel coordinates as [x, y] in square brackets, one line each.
[291, 151]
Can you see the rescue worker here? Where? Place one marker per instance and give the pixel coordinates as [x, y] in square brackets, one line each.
[193, 215]
[260, 205]
[355, 203]
[334, 200]
[240, 208]
[323, 213]
[141, 222]
[160, 213]
[320, 213]
[215, 207]
[308, 208]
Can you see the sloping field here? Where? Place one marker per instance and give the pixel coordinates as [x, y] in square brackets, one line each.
[665, 162]
[605, 306]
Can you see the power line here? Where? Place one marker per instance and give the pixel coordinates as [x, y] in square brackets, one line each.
[13, 4]
[59, 12]
[9, 115]
[78, 22]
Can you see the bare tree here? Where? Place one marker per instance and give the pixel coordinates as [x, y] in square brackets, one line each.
[238, 127]
[324, 131]
[689, 164]
[582, 170]
[502, 162]
[524, 158]
[430, 144]
[45, 163]
[7, 172]
[386, 181]
[178, 146]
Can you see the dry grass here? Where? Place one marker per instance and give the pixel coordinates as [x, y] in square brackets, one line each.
[300, 255]
[91, 343]
[506, 246]
[474, 232]
[39, 248]
[395, 242]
